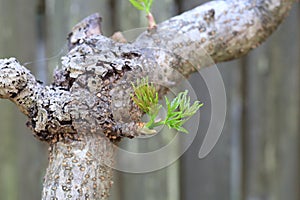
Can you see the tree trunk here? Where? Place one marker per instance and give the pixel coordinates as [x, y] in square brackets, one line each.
[80, 169]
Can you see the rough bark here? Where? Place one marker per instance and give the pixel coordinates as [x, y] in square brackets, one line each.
[88, 107]
[74, 171]
[217, 31]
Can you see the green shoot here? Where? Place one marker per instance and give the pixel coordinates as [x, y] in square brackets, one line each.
[179, 110]
[142, 5]
[145, 95]
[145, 5]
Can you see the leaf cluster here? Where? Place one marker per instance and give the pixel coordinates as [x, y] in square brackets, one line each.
[142, 5]
[145, 95]
[179, 110]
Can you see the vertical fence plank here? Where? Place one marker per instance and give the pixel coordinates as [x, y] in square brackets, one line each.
[298, 117]
[273, 116]
[22, 158]
[264, 138]
[212, 177]
[8, 161]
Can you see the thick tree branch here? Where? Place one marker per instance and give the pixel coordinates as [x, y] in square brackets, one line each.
[18, 85]
[220, 30]
[44, 106]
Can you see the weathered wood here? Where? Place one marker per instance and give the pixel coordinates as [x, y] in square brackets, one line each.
[246, 128]
[8, 164]
[272, 155]
[203, 177]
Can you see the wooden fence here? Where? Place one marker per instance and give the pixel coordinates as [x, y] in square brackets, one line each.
[257, 156]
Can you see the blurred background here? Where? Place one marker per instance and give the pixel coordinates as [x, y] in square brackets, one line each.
[257, 156]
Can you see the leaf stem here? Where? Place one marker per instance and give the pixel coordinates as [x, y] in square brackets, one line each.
[151, 21]
[152, 124]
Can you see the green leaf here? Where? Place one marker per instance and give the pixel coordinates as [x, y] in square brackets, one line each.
[145, 95]
[148, 5]
[142, 4]
[181, 129]
[179, 111]
[138, 4]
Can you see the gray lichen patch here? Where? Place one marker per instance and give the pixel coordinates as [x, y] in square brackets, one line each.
[97, 75]
[51, 121]
[13, 78]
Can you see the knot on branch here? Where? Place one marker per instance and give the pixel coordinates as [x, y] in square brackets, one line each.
[89, 26]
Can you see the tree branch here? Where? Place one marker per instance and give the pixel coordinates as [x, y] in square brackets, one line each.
[18, 85]
[221, 30]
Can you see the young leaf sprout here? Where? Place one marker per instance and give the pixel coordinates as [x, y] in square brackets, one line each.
[145, 5]
[179, 110]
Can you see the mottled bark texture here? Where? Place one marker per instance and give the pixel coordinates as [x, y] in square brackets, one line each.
[88, 107]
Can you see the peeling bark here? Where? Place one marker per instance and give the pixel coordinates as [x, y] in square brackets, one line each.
[88, 107]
